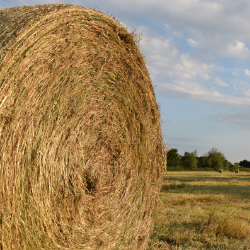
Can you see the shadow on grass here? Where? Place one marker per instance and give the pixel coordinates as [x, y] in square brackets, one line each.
[166, 188]
[208, 178]
[232, 190]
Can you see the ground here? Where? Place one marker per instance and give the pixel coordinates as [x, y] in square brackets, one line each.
[203, 210]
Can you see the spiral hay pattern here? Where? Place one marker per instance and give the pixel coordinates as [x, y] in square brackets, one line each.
[81, 152]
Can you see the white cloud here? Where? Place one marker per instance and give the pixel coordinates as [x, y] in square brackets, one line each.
[247, 93]
[192, 43]
[220, 27]
[185, 75]
[200, 93]
[243, 88]
[190, 67]
[206, 17]
[220, 45]
[247, 72]
[241, 119]
[219, 82]
[166, 61]
[237, 49]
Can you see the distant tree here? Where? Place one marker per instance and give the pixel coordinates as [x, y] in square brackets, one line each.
[245, 164]
[236, 164]
[215, 159]
[226, 165]
[180, 161]
[173, 158]
[203, 162]
[231, 166]
[212, 150]
[189, 160]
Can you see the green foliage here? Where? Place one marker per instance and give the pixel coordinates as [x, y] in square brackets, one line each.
[215, 159]
[173, 158]
[226, 165]
[189, 160]
[202, 162]
[245, 164]
[245, 169]
[212, 160]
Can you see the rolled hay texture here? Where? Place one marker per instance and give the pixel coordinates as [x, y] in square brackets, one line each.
[237, 170]
[220, 170]
[81, 151]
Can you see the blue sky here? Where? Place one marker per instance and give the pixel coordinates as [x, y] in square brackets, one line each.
[198, 56]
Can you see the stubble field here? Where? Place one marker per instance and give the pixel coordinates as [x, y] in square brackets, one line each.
[203, 210]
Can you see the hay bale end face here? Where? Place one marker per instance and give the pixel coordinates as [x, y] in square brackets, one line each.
[220, 170]
[237, 170]
[81, 151]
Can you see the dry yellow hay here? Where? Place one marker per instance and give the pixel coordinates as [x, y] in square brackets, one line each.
[81, 151]
[220, 170]
[237, 170]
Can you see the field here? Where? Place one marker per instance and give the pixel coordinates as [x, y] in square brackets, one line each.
[203, 210]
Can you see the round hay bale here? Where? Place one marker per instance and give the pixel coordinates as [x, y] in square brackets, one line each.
[220, 170]
[237, 170]
[81, 151]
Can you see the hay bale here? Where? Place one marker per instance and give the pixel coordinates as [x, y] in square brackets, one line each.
[237, 170]
[81, 151]
[220, 170]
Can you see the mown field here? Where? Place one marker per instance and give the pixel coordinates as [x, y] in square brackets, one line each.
[203, 210]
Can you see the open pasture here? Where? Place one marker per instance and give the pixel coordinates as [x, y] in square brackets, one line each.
[203, 210]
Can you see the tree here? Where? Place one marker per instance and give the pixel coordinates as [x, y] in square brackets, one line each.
[189, 160]
[245, 164]
[236, 164]
[202, 162]
[231, 166]
[226, 165]
[173, 158]
[215, 159]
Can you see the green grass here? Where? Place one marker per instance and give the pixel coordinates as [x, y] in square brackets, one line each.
[203, 210]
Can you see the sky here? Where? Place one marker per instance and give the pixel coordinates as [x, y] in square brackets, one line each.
[198, 56]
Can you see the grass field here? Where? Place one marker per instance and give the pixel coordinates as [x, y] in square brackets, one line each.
[203, 210]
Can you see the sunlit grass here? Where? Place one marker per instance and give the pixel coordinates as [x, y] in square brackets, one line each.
[203, 210]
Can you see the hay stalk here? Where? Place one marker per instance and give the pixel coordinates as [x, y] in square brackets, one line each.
[81, 152]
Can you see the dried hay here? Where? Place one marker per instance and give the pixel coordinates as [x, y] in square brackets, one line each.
[237, 170]
[80, 135]
[220, 170]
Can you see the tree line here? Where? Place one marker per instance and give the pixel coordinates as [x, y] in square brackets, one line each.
[212, 160]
